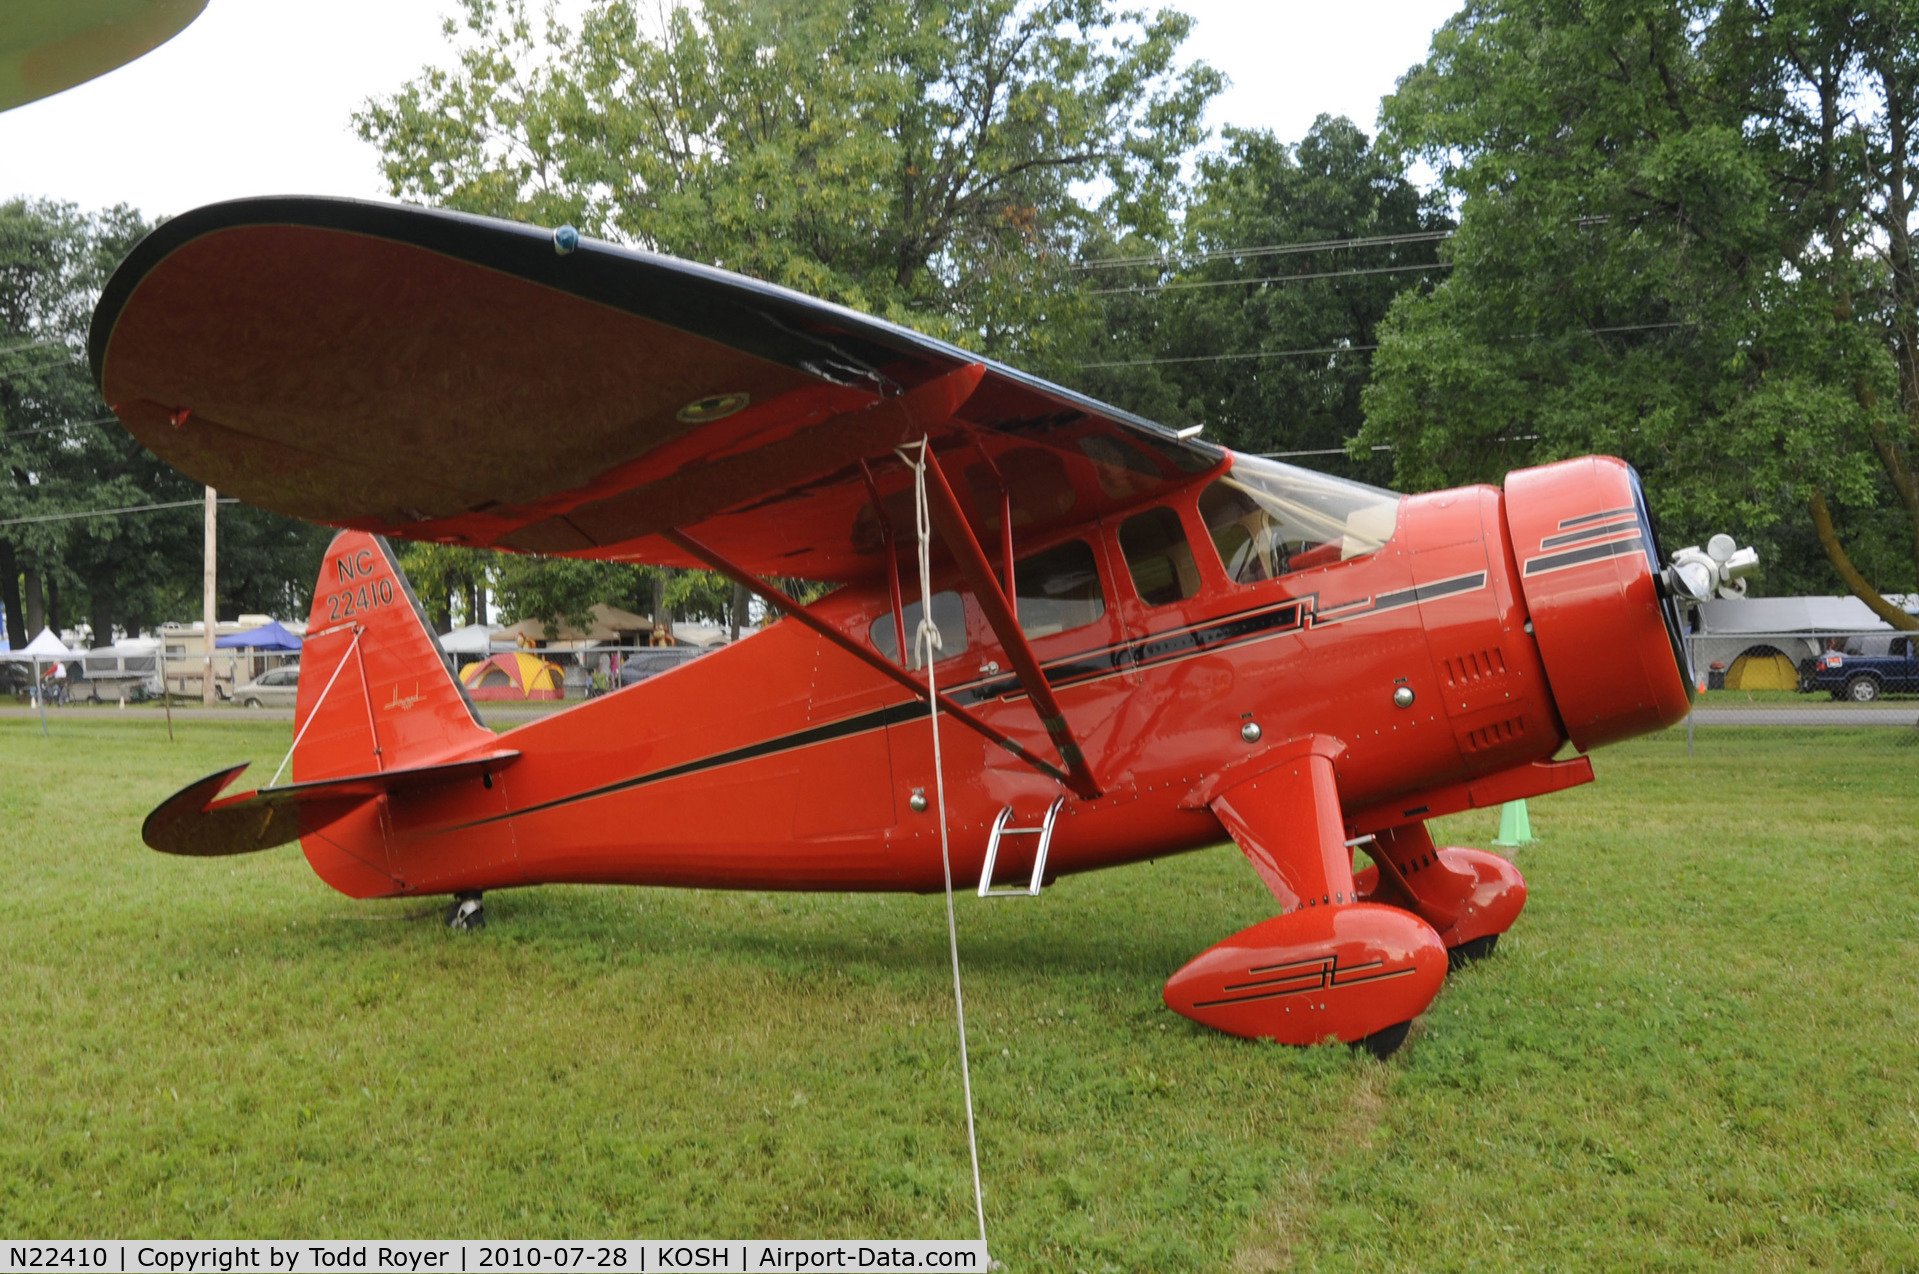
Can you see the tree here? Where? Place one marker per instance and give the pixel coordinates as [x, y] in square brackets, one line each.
[1260, 326]
[935, 164]
[931, 163]
[61, 452]
[1685, 239]
[451, 582]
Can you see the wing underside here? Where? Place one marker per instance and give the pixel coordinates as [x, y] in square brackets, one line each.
[435, 376]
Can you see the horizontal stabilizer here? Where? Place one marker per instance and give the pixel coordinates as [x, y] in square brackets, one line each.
[194, 823]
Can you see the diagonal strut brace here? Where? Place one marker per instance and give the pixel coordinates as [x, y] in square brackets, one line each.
[993, 603]
[774, 596]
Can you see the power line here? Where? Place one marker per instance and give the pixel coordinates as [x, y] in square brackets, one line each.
[110, 513]
[14, 349]
[1266, 250]
[1376, 447]
[70, 424]
[1343, 349]
[1273, 278]
[1227, 358]
[68, 361]
[1319, 451]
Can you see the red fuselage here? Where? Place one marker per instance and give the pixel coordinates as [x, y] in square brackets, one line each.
[782, 763]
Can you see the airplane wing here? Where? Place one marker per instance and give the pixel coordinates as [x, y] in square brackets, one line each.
[436, 376]
[48, 46]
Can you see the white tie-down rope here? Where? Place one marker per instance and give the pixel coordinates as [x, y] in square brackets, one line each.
[316, 707]
[926, 643]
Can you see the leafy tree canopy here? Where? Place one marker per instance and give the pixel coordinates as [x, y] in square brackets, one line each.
[932, 163]
[1684, 238]
[62, 452]
[1260, 325]
[938, 164]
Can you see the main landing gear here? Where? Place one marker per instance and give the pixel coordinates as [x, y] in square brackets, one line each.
[1352, 958]
[466, 913]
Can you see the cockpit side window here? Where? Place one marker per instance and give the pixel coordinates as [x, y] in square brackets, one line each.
[1268, 519]
[1158, 556]
[1058, 589]
[949, 616]
[1242, 533]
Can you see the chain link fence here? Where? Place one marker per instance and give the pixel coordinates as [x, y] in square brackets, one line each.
[1860, 685]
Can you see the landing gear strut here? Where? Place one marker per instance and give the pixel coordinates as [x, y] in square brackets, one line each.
[466, 913]
[1331, 965]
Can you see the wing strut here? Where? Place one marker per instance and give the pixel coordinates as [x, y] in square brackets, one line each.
[892, 557]
[993, 603]
[774, 596]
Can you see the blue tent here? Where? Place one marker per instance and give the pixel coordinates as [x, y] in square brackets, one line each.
[268, 636]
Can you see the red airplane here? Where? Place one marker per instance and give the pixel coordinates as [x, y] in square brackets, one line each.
[1147, 641]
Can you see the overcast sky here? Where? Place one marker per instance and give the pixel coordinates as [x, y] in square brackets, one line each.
[254, 97]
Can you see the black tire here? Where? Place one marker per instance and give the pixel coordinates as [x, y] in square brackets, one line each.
[1384, 1042]
[251, 702]
[466, 915]
[1862, 689]
[1469, 952]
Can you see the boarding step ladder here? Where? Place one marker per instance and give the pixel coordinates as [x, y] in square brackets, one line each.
[1045, 833]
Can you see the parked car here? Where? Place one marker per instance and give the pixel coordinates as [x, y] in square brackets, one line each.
[639, 666]
[276, 688]
[1863, 668]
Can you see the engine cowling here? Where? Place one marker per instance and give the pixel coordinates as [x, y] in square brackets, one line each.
[1589, 569]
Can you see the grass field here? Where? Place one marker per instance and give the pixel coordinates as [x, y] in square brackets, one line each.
[1699, 1048]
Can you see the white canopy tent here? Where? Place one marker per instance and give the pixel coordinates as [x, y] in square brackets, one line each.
[47, 648]
[474, 639]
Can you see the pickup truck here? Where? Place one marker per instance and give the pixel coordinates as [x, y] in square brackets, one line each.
[1863, 668]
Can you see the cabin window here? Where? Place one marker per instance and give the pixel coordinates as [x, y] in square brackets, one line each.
[1268, 519]
[1058, 589]
[949, 616]
[1158, 556]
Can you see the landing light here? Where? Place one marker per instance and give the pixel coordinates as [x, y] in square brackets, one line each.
[1720, 569]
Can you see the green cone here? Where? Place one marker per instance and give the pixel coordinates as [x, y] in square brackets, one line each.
[1515, 829]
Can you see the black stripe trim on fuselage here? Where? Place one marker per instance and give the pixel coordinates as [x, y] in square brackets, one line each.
[1397, 600]
[1590, 533]
[865, 721]
[1149, 651]
[1591, 553]
[1146, 652]
[1584, 518]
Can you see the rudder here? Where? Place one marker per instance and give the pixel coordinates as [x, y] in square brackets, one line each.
[376, 690]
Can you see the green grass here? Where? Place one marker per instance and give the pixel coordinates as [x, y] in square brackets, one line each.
[1697, 1049]
[1766, 698]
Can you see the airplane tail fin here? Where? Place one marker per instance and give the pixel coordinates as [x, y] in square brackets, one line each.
[376, 691]
[379, 714]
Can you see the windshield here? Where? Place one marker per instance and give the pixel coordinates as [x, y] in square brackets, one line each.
[1270, 519]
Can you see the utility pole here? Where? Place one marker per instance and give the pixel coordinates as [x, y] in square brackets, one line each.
[207, 695]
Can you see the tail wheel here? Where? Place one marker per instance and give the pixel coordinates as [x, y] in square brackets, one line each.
[1862, 689]
[466, 914]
